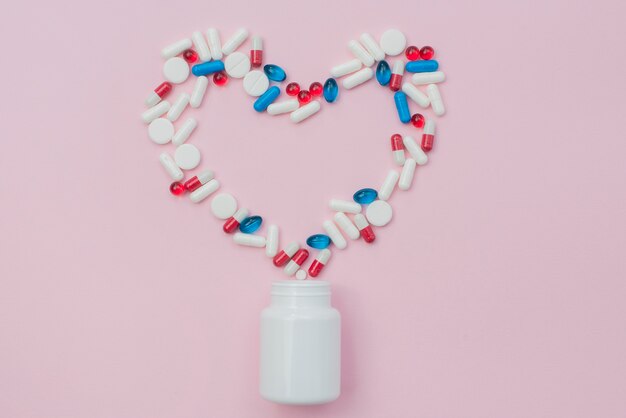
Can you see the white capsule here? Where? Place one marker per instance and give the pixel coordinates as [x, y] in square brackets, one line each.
[346, 68]
[372, 47]
[346, 225]
[176, 48]
[416, 95]
[344, 206]
[201, 46]
[235, 41]
[286, 106]
[359, 52]
[416, 151]
[199, 89]
[428, 78]
[388, 185]
[155, 111]
[178, 107]
[305, 111]
[357, 78]
[429, 127]
[271, 245]
[334, 234]
[215, 44]
[360, 221]
[406, 176]
[185, 131]
[249, 240]
[435, 99]
[301, 275]
[204, 191]
[170, 166]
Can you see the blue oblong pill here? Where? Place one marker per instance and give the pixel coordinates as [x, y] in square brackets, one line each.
[274, 72]
[365, 196]
[250, 224]
[422, 66]
[402, 106]
[331, 91]
[383, 73]
[207, 68]
[319, 241]
[266, 99]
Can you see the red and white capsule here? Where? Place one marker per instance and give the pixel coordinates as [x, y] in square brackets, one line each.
[233, 222]
[298, 259]
[428, 138]
[256, 53]
[397, 148]
[285, 255]
[196, 181]
[160, 92]
[396, 75]
[364, 228]
[320, 261]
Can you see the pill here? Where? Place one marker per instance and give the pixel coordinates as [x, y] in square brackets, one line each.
[233, 222]
[396, 75]
[286, 106]
[199, 89]
[435, 99]
[417, 153]
[178, 107]
[285, 255]
[301, 275]
[388, 185]
[176, 70]
[402, 106]
[365, 196]
[207, 68]
[305, 111]
[428, 78]
[372, 46]
[187, 156]
[316, 88]
[392, 42]
[170, 166]
[383, 73]
[319, 241]
[223, 205]
[339, 205]
[198, 180]
[220, 79]
[204, 191]
[427, 52]
[412, 53]
[320, 261]
[304, 97]
[184, 132]
[379, 213]
[365, 229]
[250, 224]
[346, 225]
[296, 261]
[417, 120]
[177, 188]
[274, 72]
[190, 56]
[249, 240]
[330, 90]
[292, 89]
[266, 99]
[237, 65]
[160, 130]
[159, 93]
[360, 53]
[155, 111]
[215, 45]
[201, 46]
[416, 95]
[335, 236]
[357, 78]
[422, 66]
[271, 242]
[407, 174]
[428, 137]
[346, 68]
[256, 53]
[235, 41]
[176, 48]
[397, 149]
[255, 83]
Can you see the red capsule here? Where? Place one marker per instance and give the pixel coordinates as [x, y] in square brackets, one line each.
[428, 138]
[418, 120]
[256, 53]
[316, 88]
[368, 234]
[300, 257]
[190, 56]
[177, 188]
[318, 264]
[304, 97]
[220, 78]
[285, 255]
[292, 89]
[160, 92]
[396, 142]
[196, 181]
[412, 53]
[233, 222]
[396, 75]
[427, 52]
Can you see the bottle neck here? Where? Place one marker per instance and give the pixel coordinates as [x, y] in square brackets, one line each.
[292, 293]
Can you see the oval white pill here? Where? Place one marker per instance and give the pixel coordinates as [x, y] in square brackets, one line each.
[255, 83]
[176, 70]
[161, 130]
[379, 213]
[224, 205]
[237, 65]
[187, 156]
[393, 42]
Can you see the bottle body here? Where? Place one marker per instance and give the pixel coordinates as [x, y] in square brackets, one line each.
[300, 359]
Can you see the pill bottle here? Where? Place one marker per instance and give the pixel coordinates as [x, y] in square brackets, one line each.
[300, 344]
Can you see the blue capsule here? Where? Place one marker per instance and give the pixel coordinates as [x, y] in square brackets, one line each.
[266, 99]
[421, 66]
[207, 68]
[319, 241]
[383, 73]
[250, 224]
[331, 91]
[365, 196]
[274, 72]
[402, 106]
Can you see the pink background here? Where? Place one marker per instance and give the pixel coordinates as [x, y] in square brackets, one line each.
[497, 291]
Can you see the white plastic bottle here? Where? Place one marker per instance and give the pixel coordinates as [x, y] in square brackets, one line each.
[300, 344]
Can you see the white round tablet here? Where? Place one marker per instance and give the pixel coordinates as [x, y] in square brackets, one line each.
[393, 42]
[237, 64]
[255, 83]
[187, 157]
[224, 205]
[301, 274]
[176, 70]
[161, 130]
[379, 213]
